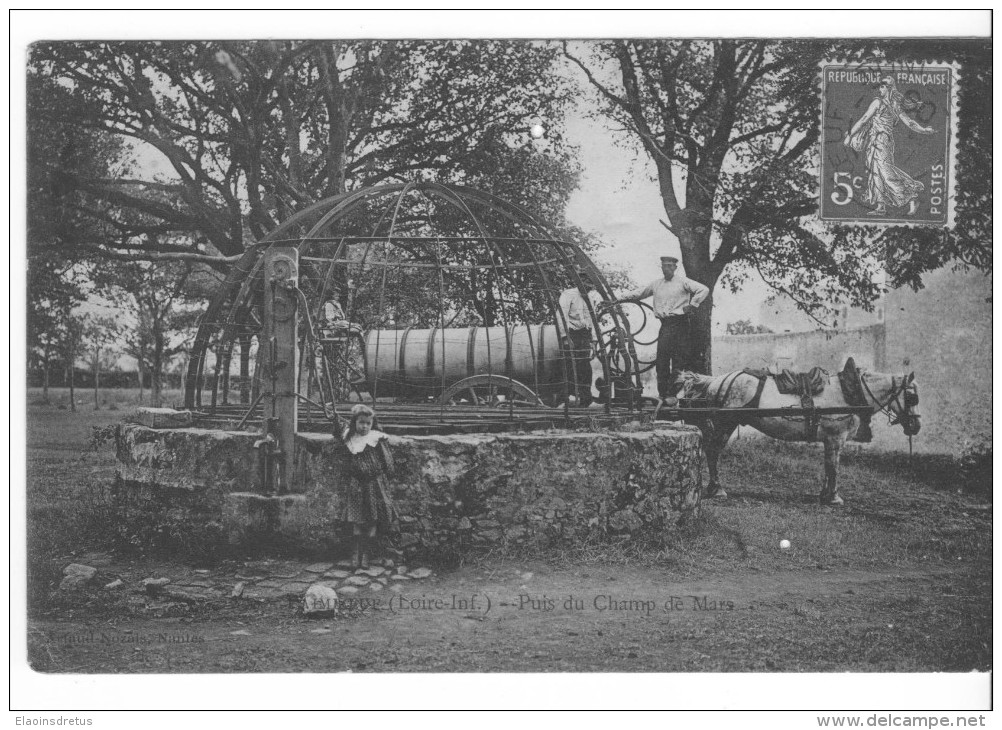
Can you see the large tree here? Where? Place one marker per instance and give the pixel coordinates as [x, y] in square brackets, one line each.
[57, 155]
[730, 128]
[246, 133]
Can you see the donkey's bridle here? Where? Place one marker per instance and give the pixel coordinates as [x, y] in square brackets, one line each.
[898, 390]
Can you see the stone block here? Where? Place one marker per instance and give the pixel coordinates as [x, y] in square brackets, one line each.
[319, 567]
[155, 586]
[247, 515]
[76, 576]
[86, 571]
[407, 540]
[161, 418]
[189, 466]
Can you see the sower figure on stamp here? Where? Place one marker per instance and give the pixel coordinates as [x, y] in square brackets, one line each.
[675, 298]
[873, 135]
[579, 332]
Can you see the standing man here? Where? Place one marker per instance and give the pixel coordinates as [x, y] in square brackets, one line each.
[675, 297]
[578, 317]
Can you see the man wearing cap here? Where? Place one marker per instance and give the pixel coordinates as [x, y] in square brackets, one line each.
[576, 314]
[675, 297]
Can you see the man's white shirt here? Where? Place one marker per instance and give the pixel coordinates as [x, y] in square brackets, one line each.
[575, 309]
[670, 296]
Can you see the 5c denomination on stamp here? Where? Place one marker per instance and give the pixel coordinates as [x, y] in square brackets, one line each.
[888, 143]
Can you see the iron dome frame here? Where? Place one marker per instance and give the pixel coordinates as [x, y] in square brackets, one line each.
[444, 238]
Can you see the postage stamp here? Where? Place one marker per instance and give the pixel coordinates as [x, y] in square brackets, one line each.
[888, 143]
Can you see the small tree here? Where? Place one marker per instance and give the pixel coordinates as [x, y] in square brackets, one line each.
[45, 344]
[137, 345]
[52, 294]
[100, 337]
[70, 348]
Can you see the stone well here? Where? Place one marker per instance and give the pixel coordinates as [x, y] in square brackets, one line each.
[452, 492]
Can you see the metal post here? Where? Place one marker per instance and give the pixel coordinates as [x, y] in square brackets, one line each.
[281, 275]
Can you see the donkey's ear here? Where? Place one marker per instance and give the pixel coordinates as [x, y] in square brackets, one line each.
[910, 378]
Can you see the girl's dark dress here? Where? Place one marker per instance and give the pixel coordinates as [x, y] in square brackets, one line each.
[365, 497]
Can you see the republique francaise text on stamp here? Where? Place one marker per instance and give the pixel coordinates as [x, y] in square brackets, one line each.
[888, 142]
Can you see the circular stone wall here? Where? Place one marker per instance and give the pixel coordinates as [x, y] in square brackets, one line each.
[452, 492]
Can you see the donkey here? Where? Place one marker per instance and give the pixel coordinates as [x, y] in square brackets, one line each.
[894, 395]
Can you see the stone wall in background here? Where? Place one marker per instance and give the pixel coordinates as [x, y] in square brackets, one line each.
[943, 333]
[801, 350]
[793, 350]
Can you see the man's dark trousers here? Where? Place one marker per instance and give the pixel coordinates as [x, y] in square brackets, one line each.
[580, 350]
[674, 352]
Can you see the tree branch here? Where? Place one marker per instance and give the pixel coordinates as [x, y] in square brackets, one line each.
[162, 256]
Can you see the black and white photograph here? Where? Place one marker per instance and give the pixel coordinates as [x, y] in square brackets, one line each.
[379, 351]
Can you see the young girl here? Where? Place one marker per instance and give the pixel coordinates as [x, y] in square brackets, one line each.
[366, 501]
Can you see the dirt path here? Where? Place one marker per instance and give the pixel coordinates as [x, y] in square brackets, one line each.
[534, 617]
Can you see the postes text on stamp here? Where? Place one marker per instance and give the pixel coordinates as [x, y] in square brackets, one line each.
[888, 141]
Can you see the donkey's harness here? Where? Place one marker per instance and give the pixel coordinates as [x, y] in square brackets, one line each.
[898, 390]
[806, 385]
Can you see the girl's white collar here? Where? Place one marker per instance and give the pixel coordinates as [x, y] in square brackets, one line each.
[356, 444]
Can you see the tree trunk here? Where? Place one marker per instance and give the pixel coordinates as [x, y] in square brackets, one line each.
[224, 374]
[71, 378]
[45, 380]
[694, 241]
[245, 347]
[139, 367]
[702, 334]
[97, 378]
[156, 367]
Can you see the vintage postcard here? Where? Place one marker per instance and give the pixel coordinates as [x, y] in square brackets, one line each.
[888, 143]
[400, 355]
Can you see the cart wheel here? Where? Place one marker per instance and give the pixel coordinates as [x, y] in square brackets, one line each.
[491, 390]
